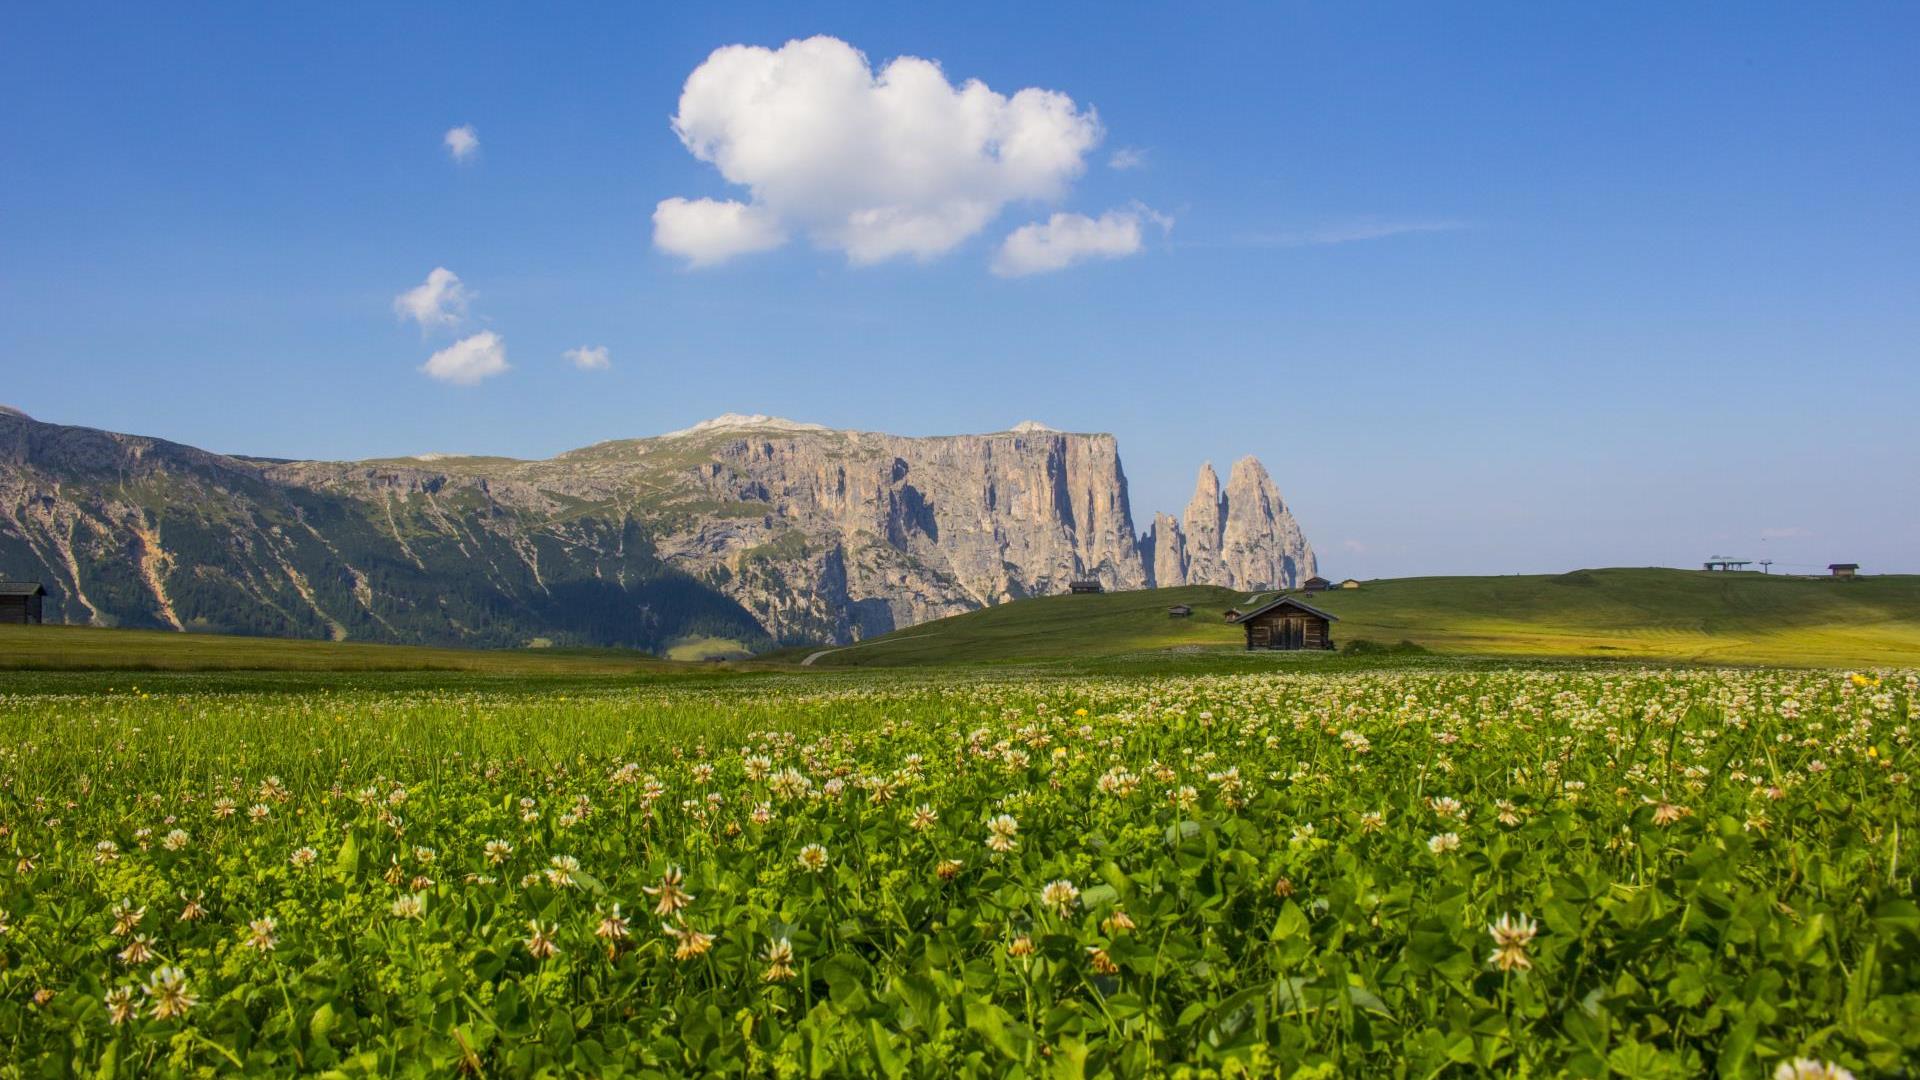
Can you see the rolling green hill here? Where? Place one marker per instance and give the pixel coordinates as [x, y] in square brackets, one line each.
[1661, 615]
[1653, 614]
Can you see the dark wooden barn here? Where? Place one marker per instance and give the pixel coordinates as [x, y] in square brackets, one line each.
[21, 603]
[1288, 623]
[1316, 583]
[1087, 585]
[1845, 571]
[1179, 611]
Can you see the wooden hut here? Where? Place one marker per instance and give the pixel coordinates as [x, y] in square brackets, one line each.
[1087, 585]
[1288, 623]
[21, 603]
[1845, 571]
[1179, 611]
[1350, 583]
[1316, 583]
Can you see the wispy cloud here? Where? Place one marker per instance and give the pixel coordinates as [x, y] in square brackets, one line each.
[1127, 157]
[589, 357]
[1348, 232]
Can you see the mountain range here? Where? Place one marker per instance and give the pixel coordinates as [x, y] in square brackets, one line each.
[748, 528]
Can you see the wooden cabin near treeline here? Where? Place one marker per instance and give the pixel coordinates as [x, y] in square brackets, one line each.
[1179, 611]
[1087, 585]
[1288, 623]
[1316, 583]
[22, 603]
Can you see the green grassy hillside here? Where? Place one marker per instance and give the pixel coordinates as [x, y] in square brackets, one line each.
[1673, 615]
[74, 648]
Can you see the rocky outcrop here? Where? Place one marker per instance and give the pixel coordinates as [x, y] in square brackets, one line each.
[1243, 537]
[1168, 548]
[1261, 546]
[1203, 523]
[749, 526]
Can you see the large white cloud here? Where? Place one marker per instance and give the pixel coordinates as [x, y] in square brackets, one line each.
[469, 360]
[1065, 239]
[875, 164]
[441, 300]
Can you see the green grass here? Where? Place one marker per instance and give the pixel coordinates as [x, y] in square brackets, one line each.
[75, 648]
[1493, 868]
[706, 648]
[1673, 616]
[1640, 614]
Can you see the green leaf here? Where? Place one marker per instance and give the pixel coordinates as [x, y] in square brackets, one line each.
[991, 1022]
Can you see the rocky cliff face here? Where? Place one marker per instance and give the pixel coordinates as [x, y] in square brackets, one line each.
[749, 527]
[1243, 537]
[1261, 546]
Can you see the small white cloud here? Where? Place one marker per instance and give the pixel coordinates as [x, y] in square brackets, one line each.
[875, 163]
[462, 142]
[708, 231]
[589, 358]
[1127, 157]
[469, 360]
[438, 301]
[1065, 239]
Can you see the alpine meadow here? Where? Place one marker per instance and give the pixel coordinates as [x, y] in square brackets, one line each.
[1008, 542]
[1549, 871]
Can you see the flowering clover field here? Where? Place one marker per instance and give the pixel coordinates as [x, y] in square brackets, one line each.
[1536, 873]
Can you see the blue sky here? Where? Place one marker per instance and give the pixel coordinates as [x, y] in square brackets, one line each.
[1489, 288]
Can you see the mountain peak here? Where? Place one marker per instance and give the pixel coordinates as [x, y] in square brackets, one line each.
[744, 421]
[1029, 427]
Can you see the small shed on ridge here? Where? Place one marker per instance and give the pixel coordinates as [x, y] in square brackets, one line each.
[21, 603]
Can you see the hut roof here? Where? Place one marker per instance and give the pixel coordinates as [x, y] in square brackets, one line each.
[1843, 566]
[1292, 602]
[21, 588]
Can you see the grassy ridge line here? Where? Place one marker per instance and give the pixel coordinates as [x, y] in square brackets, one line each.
[1641, 614]
[1658, 615]
[75, 648]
